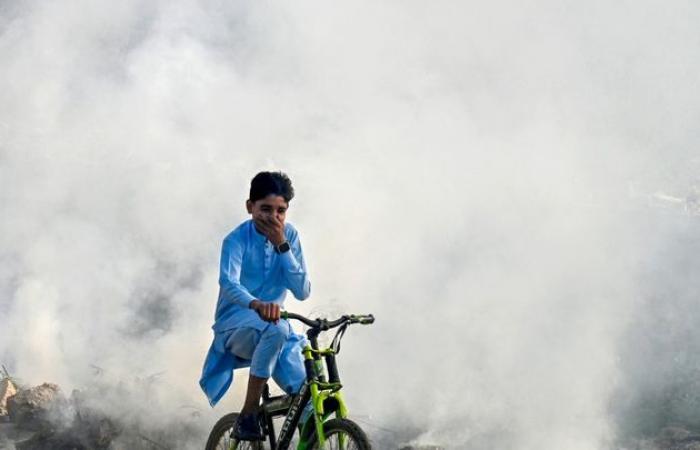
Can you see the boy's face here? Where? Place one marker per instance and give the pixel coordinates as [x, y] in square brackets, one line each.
[268, 207]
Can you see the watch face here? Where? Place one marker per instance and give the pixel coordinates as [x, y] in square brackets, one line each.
[284, 247]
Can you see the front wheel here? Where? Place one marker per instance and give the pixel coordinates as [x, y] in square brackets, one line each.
[342, 434]
[221, 436]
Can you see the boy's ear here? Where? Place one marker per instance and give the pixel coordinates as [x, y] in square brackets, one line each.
[249, 206]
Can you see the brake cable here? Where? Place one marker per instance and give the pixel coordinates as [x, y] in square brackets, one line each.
[335, 344]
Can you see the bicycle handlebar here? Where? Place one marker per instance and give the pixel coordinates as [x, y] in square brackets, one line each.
[324, 324]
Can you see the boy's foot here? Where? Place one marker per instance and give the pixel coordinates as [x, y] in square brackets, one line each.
[248, 428]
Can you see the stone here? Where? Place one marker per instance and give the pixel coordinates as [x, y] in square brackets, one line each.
[7, 390]
[36, 408]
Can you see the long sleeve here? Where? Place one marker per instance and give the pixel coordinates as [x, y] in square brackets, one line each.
[294, 269]
[230, 272]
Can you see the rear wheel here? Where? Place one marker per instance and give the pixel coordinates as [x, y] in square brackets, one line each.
[342, 434]
[221, 436]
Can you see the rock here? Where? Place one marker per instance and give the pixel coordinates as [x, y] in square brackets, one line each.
[57, 423]
[7, 390]
[36, 408]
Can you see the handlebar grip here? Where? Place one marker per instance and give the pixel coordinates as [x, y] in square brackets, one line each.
[366, 320]
[363, 319]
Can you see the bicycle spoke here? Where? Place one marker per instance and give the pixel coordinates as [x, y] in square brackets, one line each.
[227, 442]
[341, 442]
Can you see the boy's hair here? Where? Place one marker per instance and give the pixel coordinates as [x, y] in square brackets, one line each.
[266, 183]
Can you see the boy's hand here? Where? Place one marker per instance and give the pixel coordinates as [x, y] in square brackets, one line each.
[269, 312]
[272, 228]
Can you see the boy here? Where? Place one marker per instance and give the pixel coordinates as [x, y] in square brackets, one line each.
[260, 260]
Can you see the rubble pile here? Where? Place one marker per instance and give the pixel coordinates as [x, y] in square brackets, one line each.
[128, 416]
[42, 417]
[7, 390]
[35, 408]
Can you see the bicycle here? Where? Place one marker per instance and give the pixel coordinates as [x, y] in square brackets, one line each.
[324, 394]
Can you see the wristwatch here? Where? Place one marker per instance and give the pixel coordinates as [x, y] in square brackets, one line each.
[283, 247]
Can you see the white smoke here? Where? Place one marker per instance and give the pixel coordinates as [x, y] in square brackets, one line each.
[476, 176]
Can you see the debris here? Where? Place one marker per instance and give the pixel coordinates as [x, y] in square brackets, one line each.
[7, 390]
[103, 415]
[36, 408]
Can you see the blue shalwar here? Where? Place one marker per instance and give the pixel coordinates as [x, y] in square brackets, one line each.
[251, 269]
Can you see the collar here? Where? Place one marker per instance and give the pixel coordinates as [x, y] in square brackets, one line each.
[257, 237]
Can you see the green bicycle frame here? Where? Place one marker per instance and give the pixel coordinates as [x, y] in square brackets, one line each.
[325, 395]
[323, 392]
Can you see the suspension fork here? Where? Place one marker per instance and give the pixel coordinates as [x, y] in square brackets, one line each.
[321, 391]
[311, 364]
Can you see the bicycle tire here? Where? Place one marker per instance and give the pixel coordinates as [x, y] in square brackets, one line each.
[220, 437]
[336, 427]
